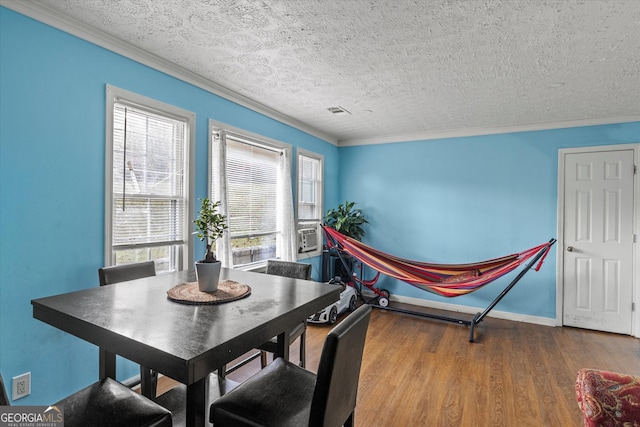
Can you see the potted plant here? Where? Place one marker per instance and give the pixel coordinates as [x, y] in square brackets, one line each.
[210, 226]
[347, 220]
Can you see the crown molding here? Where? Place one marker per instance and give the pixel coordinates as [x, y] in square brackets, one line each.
[488, 131]
[74, 27]
[51, 17]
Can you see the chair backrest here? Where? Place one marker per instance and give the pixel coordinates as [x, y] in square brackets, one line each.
[334, 397]
[122, 273]
[4, 399]
[296, 270]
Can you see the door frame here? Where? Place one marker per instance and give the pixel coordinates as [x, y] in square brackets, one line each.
[560, 247]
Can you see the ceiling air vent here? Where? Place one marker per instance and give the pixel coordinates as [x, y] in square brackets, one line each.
[338, 110]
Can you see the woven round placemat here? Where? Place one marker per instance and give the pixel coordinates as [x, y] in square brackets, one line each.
[228, 290]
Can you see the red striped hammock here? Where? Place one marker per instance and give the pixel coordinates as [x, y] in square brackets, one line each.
[448, 280]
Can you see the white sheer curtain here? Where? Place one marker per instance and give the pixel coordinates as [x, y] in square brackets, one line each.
[286, 247]
[219, 183]
[286, 244]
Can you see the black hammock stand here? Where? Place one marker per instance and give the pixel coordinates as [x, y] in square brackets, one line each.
[345, 246]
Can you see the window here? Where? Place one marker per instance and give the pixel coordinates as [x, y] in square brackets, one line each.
[253, 183]
[310, 183]
[148, 182]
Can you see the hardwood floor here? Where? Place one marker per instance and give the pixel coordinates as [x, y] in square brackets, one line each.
[422, 372]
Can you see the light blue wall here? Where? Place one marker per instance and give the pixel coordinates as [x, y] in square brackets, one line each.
[469, 199]
[52, 133]
[451, 200]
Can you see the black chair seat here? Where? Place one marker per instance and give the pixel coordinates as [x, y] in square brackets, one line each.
[109, 403]
[278, 395]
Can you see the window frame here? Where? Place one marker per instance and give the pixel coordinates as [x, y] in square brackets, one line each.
[300, 224]
[252, 138]
[114, 95]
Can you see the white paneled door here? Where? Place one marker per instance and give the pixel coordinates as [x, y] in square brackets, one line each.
[598, 240]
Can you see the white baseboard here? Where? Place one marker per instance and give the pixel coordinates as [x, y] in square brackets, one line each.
[546, 321]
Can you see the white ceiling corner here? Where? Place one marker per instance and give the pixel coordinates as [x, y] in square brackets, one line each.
[402, 69]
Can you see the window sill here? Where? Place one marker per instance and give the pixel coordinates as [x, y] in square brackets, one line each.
[307, 255]
[260, 267]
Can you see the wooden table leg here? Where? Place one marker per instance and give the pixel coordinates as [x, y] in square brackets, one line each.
[282, 349]
[197, 411]
[106, 364]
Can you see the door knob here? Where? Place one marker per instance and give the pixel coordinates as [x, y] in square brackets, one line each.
[570, 249]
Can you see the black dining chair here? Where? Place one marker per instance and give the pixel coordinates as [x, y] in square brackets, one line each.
[106, 403]
[284, 394]
[295, 270]
[123, 273]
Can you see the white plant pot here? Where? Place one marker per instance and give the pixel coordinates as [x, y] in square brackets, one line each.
[208, 274]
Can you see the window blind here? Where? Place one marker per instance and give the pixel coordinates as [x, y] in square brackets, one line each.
[252, 178]
[308, 189]
[148, 178]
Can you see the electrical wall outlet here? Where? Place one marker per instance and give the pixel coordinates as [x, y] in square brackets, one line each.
[21, 386]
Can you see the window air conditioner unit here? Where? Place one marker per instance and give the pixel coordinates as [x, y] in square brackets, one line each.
[307, 239]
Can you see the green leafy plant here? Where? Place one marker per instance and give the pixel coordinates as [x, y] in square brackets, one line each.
[210, 226]
[347, 220]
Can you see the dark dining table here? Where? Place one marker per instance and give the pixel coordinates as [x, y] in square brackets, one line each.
[186, 342]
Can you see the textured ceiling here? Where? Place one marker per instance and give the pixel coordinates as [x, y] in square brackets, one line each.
[401, 68]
